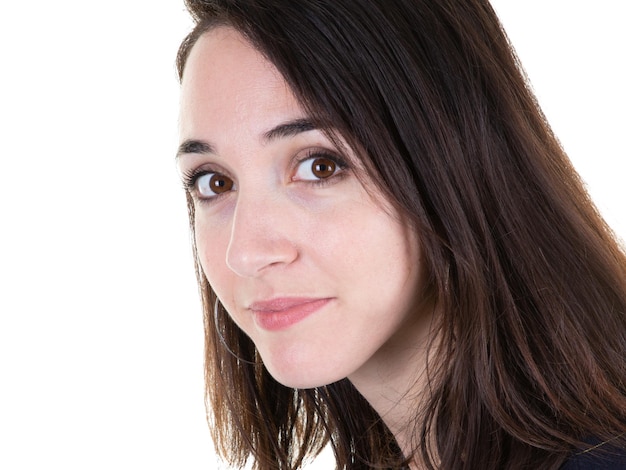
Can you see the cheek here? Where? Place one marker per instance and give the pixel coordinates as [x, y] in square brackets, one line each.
[370, 241]
[211, 245]
[382, 256]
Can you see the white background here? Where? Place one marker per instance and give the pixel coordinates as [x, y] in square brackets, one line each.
[100, 327]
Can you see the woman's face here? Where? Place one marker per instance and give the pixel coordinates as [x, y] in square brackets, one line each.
[314, 266]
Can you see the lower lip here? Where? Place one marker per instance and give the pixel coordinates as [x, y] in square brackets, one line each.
[282, 319]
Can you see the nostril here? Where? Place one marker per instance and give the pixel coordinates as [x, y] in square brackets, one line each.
[259, 246]
[251, 257]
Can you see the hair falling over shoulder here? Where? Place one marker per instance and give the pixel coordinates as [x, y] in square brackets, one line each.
[529, 280]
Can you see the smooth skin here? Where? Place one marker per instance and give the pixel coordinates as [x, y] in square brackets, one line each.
[280, 214]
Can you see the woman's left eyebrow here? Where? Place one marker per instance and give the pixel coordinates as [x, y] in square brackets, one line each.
[289, 129]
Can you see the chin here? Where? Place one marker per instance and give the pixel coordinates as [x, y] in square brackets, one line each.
[302, 376]
[300, 380]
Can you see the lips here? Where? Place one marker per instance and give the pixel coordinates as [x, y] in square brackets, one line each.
[281, 313]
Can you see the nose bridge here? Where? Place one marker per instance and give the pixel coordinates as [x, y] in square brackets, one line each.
[260, 234]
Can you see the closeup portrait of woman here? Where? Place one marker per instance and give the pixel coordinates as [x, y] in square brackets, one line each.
[396, 258]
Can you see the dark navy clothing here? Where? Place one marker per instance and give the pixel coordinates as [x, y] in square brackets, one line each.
[602, 458]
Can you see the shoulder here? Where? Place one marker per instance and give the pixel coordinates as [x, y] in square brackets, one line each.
[601, 458]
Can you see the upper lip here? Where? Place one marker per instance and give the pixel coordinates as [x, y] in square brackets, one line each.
[281, 303]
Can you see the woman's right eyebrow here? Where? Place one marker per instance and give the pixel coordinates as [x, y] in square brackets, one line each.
[194, 146]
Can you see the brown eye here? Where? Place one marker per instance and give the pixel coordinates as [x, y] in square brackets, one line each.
[220, 183]
[323, 167]
[317, 168]
[212, 184]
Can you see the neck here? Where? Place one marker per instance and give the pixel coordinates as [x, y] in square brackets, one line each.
[395, 382]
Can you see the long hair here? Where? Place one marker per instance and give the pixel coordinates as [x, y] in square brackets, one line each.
[529, 281]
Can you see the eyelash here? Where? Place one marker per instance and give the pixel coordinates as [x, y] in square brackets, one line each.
[341, 164]
[190, 177]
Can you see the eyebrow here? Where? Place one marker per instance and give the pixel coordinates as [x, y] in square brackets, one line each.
[281, 131]
[194, 146]
[289, 129]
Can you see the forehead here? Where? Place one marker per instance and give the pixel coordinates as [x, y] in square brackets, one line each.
[227, 82]
[223, 50]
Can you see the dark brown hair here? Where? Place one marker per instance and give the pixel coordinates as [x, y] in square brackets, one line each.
[529, 280]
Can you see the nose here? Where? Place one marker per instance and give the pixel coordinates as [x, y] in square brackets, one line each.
[262, 236]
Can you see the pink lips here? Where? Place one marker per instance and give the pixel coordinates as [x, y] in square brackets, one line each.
[281, 313]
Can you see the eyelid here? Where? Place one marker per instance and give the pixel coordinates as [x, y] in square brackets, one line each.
[191, 177]
[314, 153]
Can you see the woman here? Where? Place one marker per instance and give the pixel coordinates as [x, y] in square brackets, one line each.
[393, 251]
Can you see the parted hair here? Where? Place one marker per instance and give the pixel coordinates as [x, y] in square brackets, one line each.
[528, 280]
